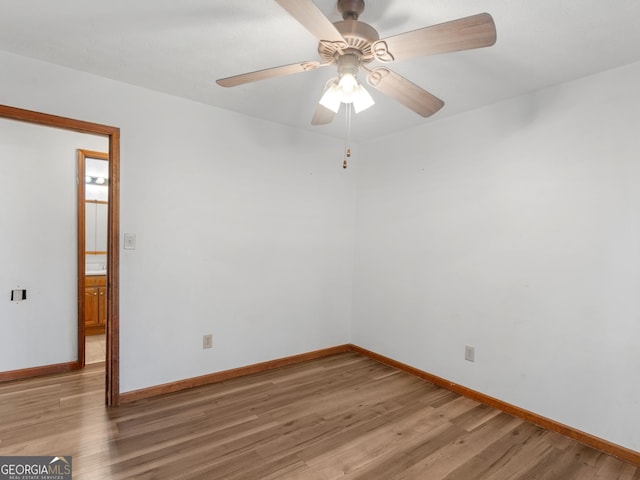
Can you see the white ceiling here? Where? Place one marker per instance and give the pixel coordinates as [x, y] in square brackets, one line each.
[182, 47]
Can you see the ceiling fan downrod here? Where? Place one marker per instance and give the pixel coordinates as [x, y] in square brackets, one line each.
[350, 9]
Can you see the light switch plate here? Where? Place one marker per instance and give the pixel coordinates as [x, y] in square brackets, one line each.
[129, 241]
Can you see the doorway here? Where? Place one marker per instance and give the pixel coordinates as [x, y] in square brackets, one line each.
[112, 364]
[93, 201]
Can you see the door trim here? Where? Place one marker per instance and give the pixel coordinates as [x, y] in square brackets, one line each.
[112, 364]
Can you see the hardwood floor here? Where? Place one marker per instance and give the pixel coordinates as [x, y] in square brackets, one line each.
[340, 417]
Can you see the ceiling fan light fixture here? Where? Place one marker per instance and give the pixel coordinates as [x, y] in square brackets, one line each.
[347, 90]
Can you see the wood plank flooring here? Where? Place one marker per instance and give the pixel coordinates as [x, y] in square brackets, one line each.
[339, 417]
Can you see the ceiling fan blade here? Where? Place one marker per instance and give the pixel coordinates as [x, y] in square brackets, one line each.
[268, 73]
[311, 17]
[404, 91]
[322, 116]
[466, 33]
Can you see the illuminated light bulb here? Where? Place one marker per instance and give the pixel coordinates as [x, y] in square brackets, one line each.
[347, 84]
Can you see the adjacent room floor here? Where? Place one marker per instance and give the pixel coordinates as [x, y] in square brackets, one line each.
[95, 348]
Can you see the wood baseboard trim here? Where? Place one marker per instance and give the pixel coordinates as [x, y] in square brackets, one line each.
[610, 448]
[134, 395]
[38, 371]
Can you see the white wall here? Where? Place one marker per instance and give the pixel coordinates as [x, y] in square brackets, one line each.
[514, 229]
[38, 218]
[244, 228]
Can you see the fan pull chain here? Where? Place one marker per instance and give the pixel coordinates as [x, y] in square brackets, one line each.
[347, 140]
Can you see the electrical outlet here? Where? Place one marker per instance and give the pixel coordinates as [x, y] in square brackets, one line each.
[469, 353]
[18, 295]
[207, 341]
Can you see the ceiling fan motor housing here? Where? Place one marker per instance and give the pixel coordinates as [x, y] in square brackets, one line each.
[358, 36]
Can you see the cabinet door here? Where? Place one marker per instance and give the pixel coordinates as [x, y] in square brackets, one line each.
[91, 306]
[102, 306]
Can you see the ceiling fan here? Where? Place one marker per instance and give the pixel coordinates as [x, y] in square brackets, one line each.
[352, 45]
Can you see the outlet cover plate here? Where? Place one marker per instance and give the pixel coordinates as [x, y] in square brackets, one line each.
[207, 341]
[469, 353]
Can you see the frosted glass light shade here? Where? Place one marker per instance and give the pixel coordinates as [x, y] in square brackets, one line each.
[361, 99]
[332, 98]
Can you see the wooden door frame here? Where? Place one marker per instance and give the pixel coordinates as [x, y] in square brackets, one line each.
[112, 388]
